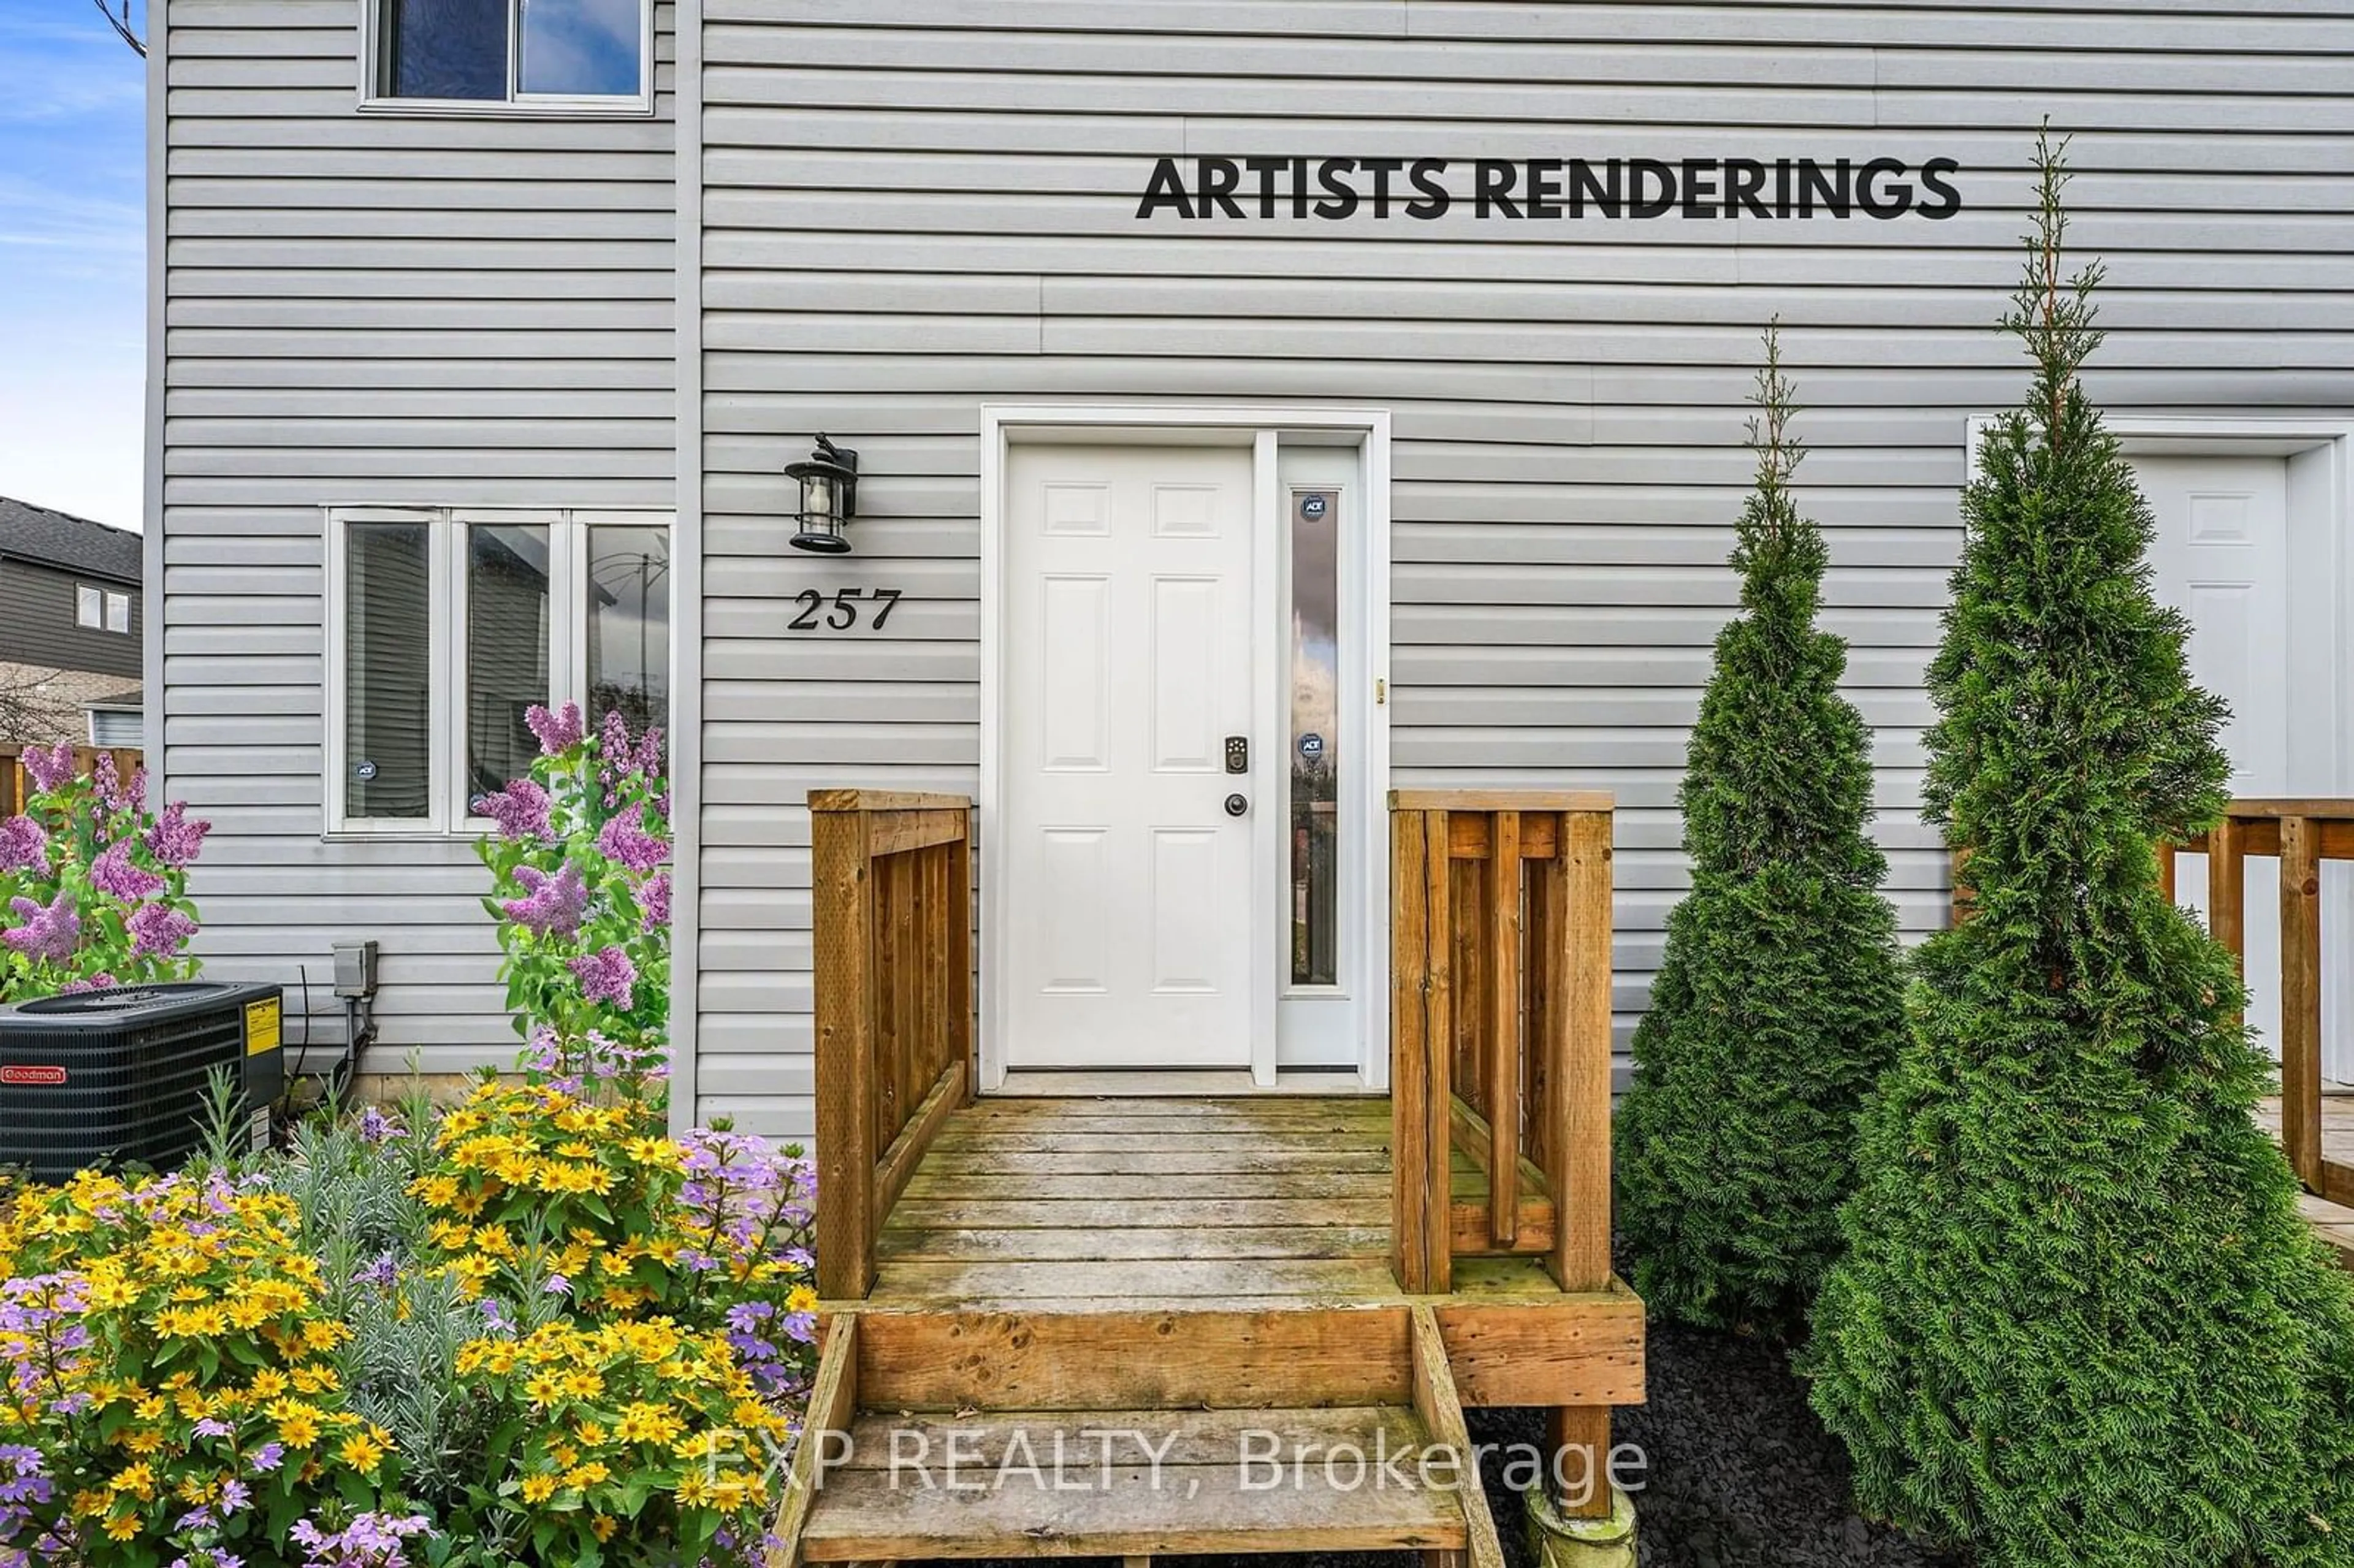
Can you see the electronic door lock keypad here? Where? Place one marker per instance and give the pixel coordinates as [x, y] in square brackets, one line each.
[1238, 753]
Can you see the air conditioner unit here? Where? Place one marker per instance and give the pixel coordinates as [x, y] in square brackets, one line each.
[115, 1077]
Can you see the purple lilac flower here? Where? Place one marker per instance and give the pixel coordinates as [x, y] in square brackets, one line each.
[113, 793]
[650, 751]
[615, 750]
[52, 934]
[607, 975]
[23, 845]
[554, 904]
[112, 872]
[49, 767]
[626, 841]
[158, 931]
[174, 840]
[558, 732]
[654, 902]
[100, 981]
[521, 810]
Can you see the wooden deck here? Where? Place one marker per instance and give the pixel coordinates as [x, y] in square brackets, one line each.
[1115, 1205]
[2333, 1223]
[1198, 1274]
[1006, 1281]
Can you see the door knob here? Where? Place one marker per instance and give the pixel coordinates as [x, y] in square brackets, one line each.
[1236, 805]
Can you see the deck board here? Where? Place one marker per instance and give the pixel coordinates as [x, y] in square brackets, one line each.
[1145, 1202]
[2332, 1223]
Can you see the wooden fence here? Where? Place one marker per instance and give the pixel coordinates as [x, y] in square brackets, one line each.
[1501, 1031]
[15, 787]
[2302, 833]
[892, 880]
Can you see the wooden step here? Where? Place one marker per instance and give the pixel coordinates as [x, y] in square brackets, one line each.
[1127, 1435]
[1135, 1483]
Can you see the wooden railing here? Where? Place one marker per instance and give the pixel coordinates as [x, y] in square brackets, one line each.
[2302, 833]
[891, 875]
[1501, 1031]
[15, 788]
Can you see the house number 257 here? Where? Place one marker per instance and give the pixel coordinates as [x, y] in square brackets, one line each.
[841, 611]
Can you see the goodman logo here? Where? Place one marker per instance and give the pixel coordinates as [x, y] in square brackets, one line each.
[46, 1076]
[1336, 188]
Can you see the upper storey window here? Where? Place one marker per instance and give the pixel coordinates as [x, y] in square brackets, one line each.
[557, 55]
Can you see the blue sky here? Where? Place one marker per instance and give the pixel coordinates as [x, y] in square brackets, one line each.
[72, 248]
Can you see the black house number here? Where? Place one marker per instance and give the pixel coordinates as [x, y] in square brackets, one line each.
[841, 610]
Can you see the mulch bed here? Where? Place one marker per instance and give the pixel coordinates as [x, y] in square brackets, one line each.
[1741, 1475]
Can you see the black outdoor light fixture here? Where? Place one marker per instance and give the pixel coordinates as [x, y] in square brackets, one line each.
[828, 483]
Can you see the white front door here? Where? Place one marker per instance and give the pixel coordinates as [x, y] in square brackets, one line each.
[1127, 665]
[2221, 557]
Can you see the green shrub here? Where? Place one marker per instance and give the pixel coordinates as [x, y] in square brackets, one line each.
[2080, 1322]
[1777, 1001]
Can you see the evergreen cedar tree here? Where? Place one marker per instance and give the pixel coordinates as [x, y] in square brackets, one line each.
[2079, 1322]
[1778, 1002]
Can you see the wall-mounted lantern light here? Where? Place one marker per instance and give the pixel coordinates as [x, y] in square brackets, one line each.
[828, 483]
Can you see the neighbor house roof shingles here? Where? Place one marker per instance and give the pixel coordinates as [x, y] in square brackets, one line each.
[70, 544]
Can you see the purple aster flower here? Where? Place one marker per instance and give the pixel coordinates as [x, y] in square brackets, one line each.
[607, 975]
[560, 731]
[558, 1286]
[174, 840]
[495, 1316]
[112, 872]
[23, 845]
[51, 934]
[554, 904]
[653, 901]
[234, 1495]
[265, 1459]
[49, 767]
[626, 841]
[213, 1427]
[521, 810]
[158, 931]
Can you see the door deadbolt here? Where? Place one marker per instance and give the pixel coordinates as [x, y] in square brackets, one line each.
[1238, 753]
[1236, 805]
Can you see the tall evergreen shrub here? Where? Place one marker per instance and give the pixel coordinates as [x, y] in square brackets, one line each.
[1777, 1001]
[2079, 1322]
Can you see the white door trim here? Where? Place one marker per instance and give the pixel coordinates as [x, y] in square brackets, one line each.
[1258, 426]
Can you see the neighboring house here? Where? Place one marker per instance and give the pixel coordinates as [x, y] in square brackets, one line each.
[476, 380]
[70, 629]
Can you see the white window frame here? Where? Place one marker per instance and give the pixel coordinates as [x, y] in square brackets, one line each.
[90, 606]
[567, 653]
[111, 600]
[375, 99]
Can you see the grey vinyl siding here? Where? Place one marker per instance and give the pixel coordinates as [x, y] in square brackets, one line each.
[363, 309]
[913, 208]
[38, 624]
